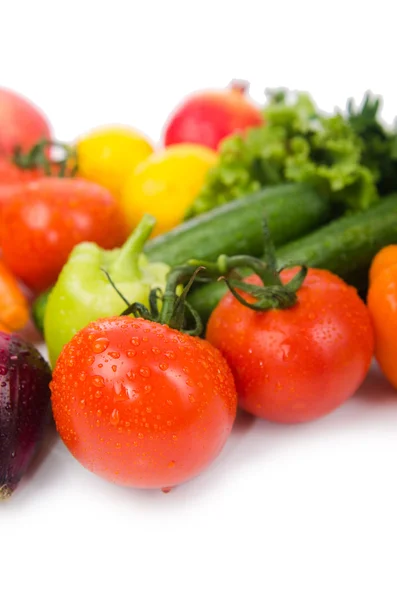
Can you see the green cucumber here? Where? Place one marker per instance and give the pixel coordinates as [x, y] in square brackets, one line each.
[291, 211]
[345, 246]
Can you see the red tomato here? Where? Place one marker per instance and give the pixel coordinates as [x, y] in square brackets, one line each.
[44, 219]
[21, 123]
[11, 176]
[140, 404]
[301, 363]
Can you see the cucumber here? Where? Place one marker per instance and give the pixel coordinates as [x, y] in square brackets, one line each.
[345, 246]
[291, 211]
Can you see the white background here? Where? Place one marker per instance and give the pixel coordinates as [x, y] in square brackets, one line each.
[285, 512]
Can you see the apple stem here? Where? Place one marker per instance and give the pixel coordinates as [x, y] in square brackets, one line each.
[240, 86]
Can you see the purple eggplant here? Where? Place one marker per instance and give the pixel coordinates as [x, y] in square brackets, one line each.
[25, 408]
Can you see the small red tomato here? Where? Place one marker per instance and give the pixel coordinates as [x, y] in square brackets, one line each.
[44, 219]
[209, 117]
[11, 176]
[21, 123]
[300, 363]
[140, 404]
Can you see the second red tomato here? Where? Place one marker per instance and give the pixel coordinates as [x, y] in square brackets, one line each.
[301, 363]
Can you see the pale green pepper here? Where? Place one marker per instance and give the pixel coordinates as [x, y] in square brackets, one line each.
[84, 290]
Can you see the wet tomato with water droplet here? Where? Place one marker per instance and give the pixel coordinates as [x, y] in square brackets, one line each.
[143, 430]
[297, 364]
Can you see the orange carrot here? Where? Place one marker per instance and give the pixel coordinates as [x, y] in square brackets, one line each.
[14, 308]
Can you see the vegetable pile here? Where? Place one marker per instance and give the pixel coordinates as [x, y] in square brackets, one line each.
[248, 260]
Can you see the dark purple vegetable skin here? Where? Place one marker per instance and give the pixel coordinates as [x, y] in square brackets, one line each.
[25, 408]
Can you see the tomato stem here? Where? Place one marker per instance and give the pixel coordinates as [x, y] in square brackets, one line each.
[174, 306]
[271, 294]
[38, 157]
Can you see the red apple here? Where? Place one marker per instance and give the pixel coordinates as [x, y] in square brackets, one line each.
[208, 117]
[21, 123]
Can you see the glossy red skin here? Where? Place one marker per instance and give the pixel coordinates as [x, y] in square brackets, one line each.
[298, 364]
[140, 404]
[12, 176]
[207, 118]
[21, 123]
[44, 219]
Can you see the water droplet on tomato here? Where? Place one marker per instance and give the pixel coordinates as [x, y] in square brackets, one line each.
[100, 345]
[115, 417]
[82, 376]
[169, 354]
[147, 389]
[98, 381]
[155, 350]
[98, 394]
[114, 354]
[144, 371]
[166, 490]
[171, 464]
[140, 435]
[192, 399]
[118, 387]
[90, 360]
[174, 437]
[163, 366]
[114, 368]
[135, 341]
[131, 353]
[99, 413]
